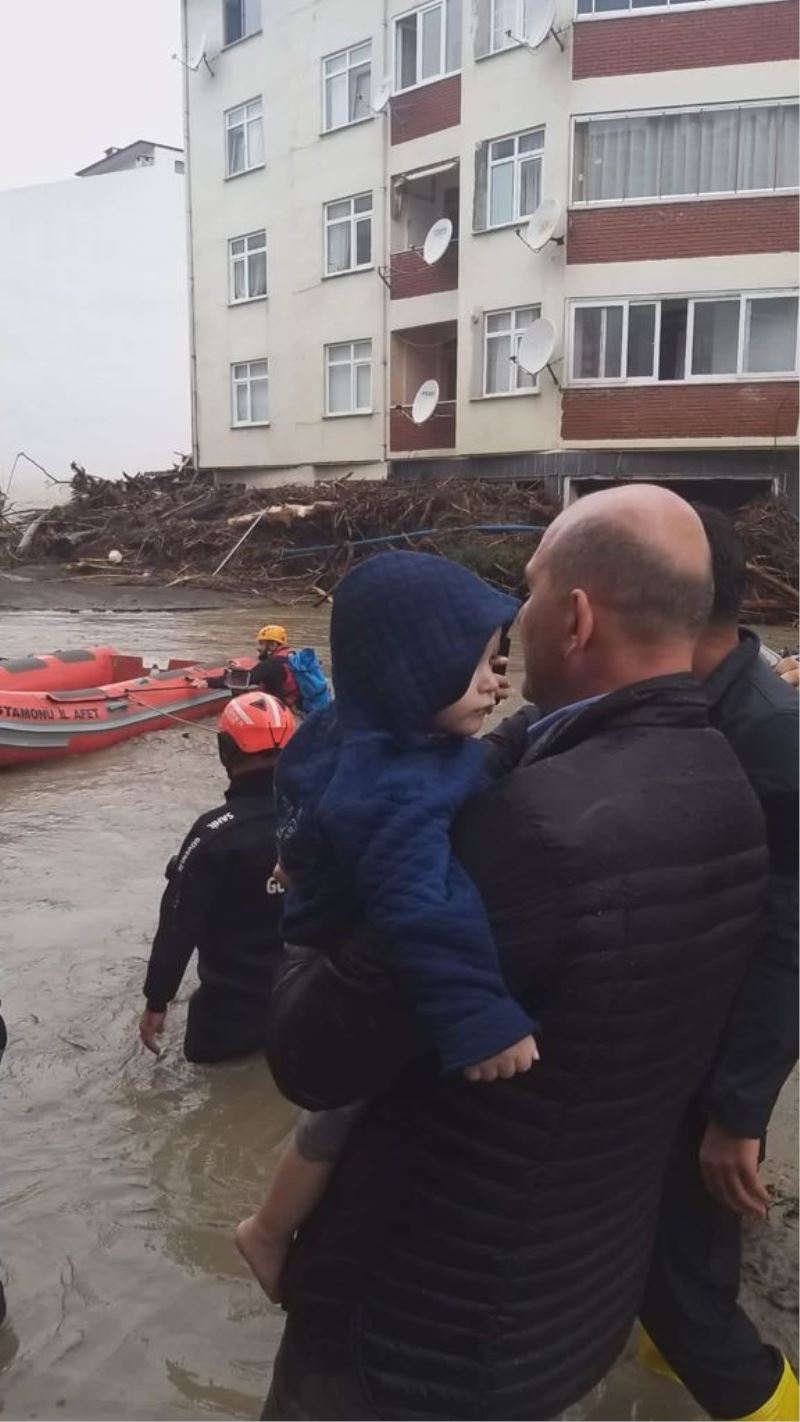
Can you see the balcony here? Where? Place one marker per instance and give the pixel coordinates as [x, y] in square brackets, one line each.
[421, 353]
[419, 200]
[427, 109]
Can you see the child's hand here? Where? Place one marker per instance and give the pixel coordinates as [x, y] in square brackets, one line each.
[280, 876]
[520, 1057]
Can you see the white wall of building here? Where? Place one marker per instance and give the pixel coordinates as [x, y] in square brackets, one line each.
[94, 327]
[501, 94]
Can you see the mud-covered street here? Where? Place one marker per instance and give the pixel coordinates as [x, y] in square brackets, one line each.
[123, 1177]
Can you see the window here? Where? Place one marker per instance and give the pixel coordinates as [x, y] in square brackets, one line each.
[248, 267]
[427, 43]
[348, 234]
[240, 19]
[250, 393]
[348, 378]
[515, 177]
[685, 338]
[686, 153]
[602, 7]
[502, 331]
[244, 138]
[510, 21]
[346, 86]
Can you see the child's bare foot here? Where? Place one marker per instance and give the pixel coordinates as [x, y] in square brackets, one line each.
[265, 1253]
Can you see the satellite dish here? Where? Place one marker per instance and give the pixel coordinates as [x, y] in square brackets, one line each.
[204, 54]
[541, 228]
[437, 240]
[540, 20]
[536, 346]
[425, 401]
[382, 97]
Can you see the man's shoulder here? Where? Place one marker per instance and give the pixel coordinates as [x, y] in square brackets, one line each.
[759, 715]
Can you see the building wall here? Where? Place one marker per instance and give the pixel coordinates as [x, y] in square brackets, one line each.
[692, 247]
[94, 327]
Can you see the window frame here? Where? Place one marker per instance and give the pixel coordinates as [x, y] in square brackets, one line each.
[517, 159]
[353, 410]
[353, 221]
[244, 106]
[347, 50]
[516, 336]
[229, 44]
[250, 424]
[234, 300]
[584, 204]
[444, 72]
[740, 375]
[627, 11]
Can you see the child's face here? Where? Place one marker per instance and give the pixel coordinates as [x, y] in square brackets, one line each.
[466, 716]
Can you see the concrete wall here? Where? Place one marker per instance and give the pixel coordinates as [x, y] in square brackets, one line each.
[94, 327]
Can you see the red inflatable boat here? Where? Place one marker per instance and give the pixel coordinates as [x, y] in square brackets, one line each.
[67, 670]
[38, 725]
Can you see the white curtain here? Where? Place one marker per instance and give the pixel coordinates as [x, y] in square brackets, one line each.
[452, 38]
[680, 154]
[431, 42]
[641, 178]
[788, 158]
[718, 151]
[339, 258]
[604, 170]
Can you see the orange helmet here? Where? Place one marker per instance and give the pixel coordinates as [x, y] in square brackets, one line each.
[257, 722]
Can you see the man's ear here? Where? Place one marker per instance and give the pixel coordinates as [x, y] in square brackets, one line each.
[581, 620]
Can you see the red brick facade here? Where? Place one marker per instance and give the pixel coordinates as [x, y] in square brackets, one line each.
[427, 109]
[439, 432]
[735, 34]
[738, 410]
[702, 228]
[411, 275]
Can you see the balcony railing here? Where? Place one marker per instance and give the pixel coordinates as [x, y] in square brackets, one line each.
[439, 432]
[412, 276]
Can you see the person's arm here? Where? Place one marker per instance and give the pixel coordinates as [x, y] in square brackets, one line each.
[269, 675]
[760, 1045]
[184, 909]
[505, 746]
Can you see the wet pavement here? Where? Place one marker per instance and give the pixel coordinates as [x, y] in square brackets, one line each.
[122, 1176]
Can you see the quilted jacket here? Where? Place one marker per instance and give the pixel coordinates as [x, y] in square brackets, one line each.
[367, 796]
[481, 1251]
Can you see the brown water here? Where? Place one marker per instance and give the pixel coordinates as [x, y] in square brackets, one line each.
[122, 1177]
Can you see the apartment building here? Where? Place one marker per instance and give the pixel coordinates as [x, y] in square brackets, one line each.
[326, 139]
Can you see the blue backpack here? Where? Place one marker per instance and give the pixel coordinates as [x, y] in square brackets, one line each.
[311, 684]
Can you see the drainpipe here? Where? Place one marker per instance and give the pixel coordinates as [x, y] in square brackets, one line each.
[187, 178]
[386, 121]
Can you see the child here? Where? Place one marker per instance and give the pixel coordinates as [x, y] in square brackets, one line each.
[368, 790]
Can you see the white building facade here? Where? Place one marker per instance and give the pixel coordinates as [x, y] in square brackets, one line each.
[94, 322]
[325, 141]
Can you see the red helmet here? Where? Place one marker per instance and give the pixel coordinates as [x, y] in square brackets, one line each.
[257, 722]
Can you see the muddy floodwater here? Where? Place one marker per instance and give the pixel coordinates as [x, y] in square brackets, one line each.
[122, 1177]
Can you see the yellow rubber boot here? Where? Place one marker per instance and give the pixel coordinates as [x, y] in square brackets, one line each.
[651, 1358]
[783, 1405]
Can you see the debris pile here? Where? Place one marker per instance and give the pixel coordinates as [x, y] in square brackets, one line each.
[769, 533]
[295, 541]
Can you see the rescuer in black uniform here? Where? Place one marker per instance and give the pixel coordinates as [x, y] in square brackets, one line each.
[222, 899]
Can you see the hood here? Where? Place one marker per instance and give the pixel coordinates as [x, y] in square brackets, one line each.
[407, 632]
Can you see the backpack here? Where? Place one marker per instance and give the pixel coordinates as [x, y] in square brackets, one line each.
[311, 683]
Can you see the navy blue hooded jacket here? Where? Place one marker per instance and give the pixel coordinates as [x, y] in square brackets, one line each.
[367, 796]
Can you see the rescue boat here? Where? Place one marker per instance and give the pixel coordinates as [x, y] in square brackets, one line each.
[50, 724]
[66, 670]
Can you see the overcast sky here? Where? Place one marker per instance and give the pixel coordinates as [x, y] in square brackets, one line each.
[81, 75]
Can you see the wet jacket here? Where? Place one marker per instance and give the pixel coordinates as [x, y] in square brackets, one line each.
[759, 715]
[482, 1250]
[367, 797]
[222, 900]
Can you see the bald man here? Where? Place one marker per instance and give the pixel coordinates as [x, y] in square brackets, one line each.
[483, 1249]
